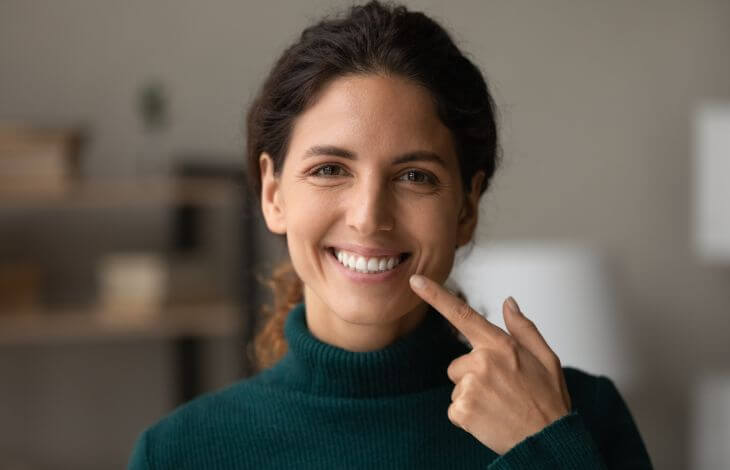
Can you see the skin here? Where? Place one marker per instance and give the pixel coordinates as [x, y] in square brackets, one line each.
[369, 201]
[511, 384]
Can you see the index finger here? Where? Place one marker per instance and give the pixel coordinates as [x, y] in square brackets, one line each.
[477, 329]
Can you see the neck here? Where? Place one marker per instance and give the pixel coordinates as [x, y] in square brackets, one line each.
[358, 331]
[415, 362]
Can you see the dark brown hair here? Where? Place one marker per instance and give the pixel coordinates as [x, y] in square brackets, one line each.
[375, 38]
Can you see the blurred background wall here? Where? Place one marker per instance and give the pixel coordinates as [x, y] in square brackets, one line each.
[595, 101]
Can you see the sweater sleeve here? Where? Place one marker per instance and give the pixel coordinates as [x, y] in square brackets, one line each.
[613, 442]
[138, 460]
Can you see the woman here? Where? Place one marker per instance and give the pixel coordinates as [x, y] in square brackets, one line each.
[375, 138]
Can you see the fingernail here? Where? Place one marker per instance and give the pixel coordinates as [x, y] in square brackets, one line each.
[513, 305]
[417, 281]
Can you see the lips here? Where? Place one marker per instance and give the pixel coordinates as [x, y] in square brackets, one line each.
[368, 274]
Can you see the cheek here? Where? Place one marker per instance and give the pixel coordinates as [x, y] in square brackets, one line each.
[434, 225]
[433, 228]
[305, 210]
[307, 221]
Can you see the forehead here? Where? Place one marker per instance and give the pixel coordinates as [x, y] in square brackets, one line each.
[375, 115]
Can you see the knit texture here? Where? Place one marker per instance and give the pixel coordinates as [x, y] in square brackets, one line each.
[323, 407]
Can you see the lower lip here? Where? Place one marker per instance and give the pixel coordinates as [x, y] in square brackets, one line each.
[365, 277]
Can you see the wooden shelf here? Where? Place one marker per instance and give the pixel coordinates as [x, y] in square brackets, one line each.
[201, 321]
[201, 191]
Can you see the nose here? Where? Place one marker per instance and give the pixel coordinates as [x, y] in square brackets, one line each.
[370, 209]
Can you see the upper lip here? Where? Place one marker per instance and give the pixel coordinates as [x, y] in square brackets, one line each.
[367, 250]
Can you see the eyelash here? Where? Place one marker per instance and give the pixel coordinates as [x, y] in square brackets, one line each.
[431, 179]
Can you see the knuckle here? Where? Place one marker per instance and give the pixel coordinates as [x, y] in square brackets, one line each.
[503, 343]
[482, 359]
[467, 405]
[451, 372]
[455, 413]
[469, 380]
[462, 310]
[458, 411]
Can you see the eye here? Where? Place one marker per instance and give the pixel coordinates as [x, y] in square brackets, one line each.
[418, 177]
[326, 170]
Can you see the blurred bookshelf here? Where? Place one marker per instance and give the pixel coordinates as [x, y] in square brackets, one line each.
[189, 192]
[207, 320]
[181, 286]
[109, 193]
[187, 325]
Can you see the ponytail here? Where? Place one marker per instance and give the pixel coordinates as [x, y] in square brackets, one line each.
[269, 344]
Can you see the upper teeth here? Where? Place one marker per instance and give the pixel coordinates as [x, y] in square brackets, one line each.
[366, 265]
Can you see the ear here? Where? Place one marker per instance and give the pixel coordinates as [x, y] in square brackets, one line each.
[271, 200]
[469, 215]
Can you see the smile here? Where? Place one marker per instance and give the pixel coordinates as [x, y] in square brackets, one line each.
[362, 268]
[363, 264]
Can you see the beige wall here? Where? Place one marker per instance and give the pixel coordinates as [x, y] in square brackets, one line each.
[595, 101]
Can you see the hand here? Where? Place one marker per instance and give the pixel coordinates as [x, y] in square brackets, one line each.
[509, 386]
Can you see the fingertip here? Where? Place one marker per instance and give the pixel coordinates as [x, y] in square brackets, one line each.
[417, 281]
[512, 305]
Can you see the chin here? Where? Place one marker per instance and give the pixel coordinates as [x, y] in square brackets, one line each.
[368, 311]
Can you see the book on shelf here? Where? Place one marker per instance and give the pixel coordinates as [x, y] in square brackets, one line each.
[38, 160]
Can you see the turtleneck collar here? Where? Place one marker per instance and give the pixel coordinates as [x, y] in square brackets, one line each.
[414, 362]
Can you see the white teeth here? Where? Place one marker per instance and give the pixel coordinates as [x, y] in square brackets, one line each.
[366, 265]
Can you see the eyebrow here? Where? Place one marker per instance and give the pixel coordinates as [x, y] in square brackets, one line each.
[417, 155]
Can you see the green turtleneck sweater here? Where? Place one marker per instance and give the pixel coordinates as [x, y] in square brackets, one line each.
[323, 407]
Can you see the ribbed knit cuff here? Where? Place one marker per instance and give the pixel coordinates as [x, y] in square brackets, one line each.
[563, 444]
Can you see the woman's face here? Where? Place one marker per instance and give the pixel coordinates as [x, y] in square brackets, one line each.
[370, 173]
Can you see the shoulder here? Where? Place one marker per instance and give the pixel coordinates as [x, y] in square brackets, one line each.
[589, 392]
[197, 426]
[592, 395]
[210, 409]
[582, 383]
[604, 411]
